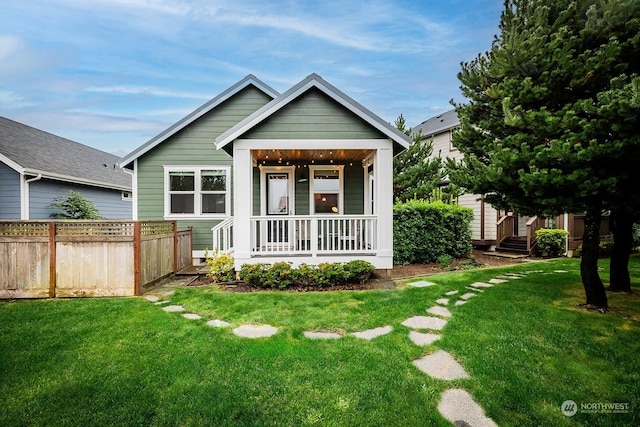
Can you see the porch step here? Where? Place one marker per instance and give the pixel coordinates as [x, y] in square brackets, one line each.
[513, 244]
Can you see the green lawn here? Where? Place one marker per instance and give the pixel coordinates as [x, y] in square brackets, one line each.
[124, 361]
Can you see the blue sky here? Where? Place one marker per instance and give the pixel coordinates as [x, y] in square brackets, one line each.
[113, 73]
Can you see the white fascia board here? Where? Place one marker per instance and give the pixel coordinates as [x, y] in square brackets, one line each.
[196, 114]
[312, 144]
[75, 180]
[13, 165]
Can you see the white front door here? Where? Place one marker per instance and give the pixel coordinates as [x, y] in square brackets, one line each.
[277, 202]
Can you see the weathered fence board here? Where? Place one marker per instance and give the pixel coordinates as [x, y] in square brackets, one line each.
[40, 259]
[25, 268]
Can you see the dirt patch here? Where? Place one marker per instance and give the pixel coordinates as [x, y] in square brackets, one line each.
[477, 260]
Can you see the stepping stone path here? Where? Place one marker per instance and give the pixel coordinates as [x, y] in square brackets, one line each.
[456, 405]
[216, 323]
[421, 338]
[441, 365]
[251, 331]
[481, 285]
[173, 308]
[421, 284]
[192, 316]
[425, 322]
[373, 333]
[313, 335]
[439, 311]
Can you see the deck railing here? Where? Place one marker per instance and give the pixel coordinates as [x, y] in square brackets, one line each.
[313, 235]
[223, 236]
[504, 227]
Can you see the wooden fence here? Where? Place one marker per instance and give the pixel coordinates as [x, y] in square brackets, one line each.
[40, 259]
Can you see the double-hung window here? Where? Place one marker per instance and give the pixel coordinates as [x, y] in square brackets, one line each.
[197, 191]
[326, 193]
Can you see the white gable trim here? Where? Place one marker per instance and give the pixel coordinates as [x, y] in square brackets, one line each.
[312, 81]
[196, 114]
[13, 165]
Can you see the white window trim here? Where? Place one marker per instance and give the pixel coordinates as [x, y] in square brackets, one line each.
[197, 202]
[340, 169]
[127, 195]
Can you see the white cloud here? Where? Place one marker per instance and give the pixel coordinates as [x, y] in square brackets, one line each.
[145, 90]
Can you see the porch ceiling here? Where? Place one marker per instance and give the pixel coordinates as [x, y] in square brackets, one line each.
[277, 156]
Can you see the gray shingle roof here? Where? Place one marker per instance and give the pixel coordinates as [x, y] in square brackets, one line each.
[34, 151]
[438, 124]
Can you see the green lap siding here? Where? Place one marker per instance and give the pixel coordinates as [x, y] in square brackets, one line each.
[193, 146]
[313, 116]
[354, 190]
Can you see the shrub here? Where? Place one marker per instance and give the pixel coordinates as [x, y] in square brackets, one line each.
[74, 206]
[252, 274]
[551, 241]
[280, 275]
[423, 232]
[220, 266]
[358, 271]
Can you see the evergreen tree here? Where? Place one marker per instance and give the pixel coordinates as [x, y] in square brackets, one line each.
[415, 173]
[74, 206]
[552, 118]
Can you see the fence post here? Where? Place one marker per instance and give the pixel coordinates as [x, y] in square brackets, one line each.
[52, 259]
[137, 257]
[175, 246]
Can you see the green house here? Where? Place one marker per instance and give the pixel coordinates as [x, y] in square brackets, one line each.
[303, 176]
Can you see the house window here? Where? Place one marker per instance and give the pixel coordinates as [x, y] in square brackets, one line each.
[197, 192]
[451, 132]
[127, 195]
[327, 190]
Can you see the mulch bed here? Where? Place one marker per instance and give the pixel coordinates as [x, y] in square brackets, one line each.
[478, 260]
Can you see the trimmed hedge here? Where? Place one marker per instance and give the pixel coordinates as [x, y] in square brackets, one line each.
[424, 232]
[551, 241]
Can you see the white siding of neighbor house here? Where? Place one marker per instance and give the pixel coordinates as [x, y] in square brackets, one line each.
[108, 202]
[9, 193]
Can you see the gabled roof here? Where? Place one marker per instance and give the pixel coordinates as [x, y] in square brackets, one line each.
[313, 81]
[31, 151]
[438, 124]
[196, 114]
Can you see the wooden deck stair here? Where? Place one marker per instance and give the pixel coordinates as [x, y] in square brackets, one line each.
[514, 244]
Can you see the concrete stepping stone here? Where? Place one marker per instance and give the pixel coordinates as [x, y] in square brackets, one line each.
[474, 289]
[460, 302]
[252, 331]
[173, 308]
[162, 302]
[192, 316]
[421, 338]
[513, 276]
[497, 281]
[421, 284]
[370, 334]
[441, 365]
[443, 301]
[458, 407]
[425, 322]
[152, 298]
[481, 285]
[216, 323]
[468, 295]
[450, 293]
[316, 335]
[560, 271]
[439, 311]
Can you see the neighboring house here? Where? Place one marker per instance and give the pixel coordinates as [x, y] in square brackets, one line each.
[303, 176]
[490, 227]
[37, 167]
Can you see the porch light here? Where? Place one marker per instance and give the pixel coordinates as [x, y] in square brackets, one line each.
[334, 209]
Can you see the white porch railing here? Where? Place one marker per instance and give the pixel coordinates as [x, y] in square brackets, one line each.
[313, 235]
[223, 236]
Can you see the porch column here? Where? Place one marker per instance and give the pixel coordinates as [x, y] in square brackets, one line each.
[383, 171]
[242, 186]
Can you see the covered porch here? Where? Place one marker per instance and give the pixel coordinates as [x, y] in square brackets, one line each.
[332, 203]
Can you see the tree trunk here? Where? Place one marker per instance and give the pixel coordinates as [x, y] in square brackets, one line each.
[593, 286]
[621, 225]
